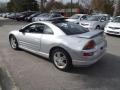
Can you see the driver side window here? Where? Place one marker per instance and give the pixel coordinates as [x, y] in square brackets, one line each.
[34, 28]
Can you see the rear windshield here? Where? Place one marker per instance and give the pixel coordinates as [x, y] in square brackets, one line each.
[70, 28]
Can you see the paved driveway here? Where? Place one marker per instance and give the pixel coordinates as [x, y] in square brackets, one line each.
[32, 72]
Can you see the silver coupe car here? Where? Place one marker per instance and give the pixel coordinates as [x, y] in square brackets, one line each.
[95, 22]
[65, 43]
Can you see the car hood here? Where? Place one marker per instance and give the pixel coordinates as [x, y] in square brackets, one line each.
[88, 35]
[71, 20]
[113, 24]
[42, 18]
[88, 22]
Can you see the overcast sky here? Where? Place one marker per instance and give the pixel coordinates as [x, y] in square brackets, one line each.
[4, 0]
[65, 1]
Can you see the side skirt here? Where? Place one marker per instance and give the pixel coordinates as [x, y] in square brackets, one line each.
[35, 52]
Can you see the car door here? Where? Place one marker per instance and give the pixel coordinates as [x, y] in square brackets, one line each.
[103, 21]
[47, 39]
[30, 37]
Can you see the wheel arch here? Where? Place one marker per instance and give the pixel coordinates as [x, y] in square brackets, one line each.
[14, 36]
[98, 26]
[11, 35]
[58, 47]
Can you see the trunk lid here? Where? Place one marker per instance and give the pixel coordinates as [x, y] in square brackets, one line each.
[97, 36]
[89, 35]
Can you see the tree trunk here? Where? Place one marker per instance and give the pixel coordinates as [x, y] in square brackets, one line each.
[116, 8]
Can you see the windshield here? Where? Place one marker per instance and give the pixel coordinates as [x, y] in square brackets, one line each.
[44, 15]
[116, 19]
[75, 17]
[93, 18]
[71, 28]
[33, 15]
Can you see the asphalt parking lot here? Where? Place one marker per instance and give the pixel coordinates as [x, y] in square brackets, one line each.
[32, 72]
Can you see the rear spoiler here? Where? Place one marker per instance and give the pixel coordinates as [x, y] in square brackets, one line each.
[91, 34]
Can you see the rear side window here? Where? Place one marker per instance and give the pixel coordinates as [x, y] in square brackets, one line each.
[70, 28]
[47, 30]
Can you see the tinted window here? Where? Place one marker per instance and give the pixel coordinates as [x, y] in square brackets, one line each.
[34, 28]
[71, 28]
[56, 15]
[47, 30]
[39, 28]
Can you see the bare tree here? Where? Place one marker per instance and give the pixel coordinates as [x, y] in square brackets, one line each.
[116, 7]
[85, 3]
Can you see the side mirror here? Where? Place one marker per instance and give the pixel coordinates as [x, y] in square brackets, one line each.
[21, 30]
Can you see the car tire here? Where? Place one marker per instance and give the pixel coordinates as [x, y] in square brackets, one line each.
[61, 59]
[13, 42]
[97, 28]
[18, 19]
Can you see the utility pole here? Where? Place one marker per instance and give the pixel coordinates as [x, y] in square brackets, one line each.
[71, 6]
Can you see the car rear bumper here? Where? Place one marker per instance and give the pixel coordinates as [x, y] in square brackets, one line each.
[87, 63]
[98, 54]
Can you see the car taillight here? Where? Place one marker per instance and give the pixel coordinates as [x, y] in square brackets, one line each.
[89, 45]
[88, 53]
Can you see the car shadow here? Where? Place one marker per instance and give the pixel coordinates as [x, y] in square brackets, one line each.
[108, 66]
[104, 74]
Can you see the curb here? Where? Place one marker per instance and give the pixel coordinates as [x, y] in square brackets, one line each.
[6, 81]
